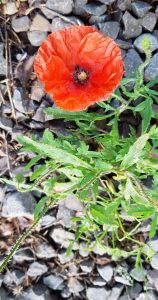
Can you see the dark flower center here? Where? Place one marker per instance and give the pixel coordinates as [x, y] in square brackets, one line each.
[80, 75]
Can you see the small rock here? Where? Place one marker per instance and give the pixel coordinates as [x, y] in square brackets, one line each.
[134, 290]
[95, 8]
[63, 7]
[131, 63]
[78, 8]
[36, 37]
[3, 294]
[149, 21]
[93, 293]
[153, 40]
[37, 292]
[10, 8]
[106, 272]
[73, 270]
[99, 281]
[152, 276]
[108, 2]
[13, 278]
[138, 274]
[75, 286]
[152, 69]
[116, 292]
[53, 282]
[87, 265]
[140, 8]
[153, 244]
[23, 254]
[18, 101]
[66, 293]
[39, 115]
[37, 91]
[47, 221]
[124, 44]
[83, 249]
[58, 23]
[110, 29]
[2, 195]
[45, 251]
[2, 60]
[20, 169]
[156, 11]
[124, 4]
[20, 24]
[154, 262]
[64, 215]
[73, 203]
[147, 296]
[132, 26]
[123, 279]
[36, 269]
[63, 237]
[40, 23]
[64, 258]
[98, 19]
[18, 205]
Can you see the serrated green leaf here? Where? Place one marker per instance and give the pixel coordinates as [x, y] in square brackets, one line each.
[146, 112]
[104, 215]
[39, 206]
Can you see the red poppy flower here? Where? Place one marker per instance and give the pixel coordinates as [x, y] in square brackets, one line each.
[79, 66]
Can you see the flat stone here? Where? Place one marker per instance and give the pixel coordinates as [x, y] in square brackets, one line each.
[47, 221]
[106, 272]
[149, 295]
[140, 8]
[153, 244]
[95, 8]
[64, 216]
[110, 29]
[138, 274]
[40, 23]
[83, 249]
[23, 254]
[132, 26]
[93, 293]
[124, 4]
[78, 8]
[116, 292]
[154, 262]
[54, 282]
[21, 24]
[64, 258]
[3, 294]
[73, 203]
[37, 292]
[134, 290]
[152, 38]
[10, 8]
[18, 205]
[2, 60]
[152, 276]
[131, 63]
[63, 7]
[75, 286]
[152, 69]
[37, 91]
[36, 269]
[149, 21]
[45, 251]
[123, 279]
[36, 37]
[87, 265]
[13, 278]
[99, 281]
[18, 101]
[63, 237]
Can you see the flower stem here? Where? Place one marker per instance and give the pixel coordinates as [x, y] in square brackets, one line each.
[23, 237]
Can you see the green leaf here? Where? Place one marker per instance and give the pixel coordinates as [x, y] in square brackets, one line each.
[32, 162]
[104, 215]
[19, 179]
[153, 227]
[146, 112]
[37, 172]
[134, 152]
[39, 206]
[140, 211]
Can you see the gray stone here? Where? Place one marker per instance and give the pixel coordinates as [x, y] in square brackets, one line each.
[99, 281]
[53, 282]
[134, 290]
[63, 7]
[20, 169]
[98, 19]
[108, 2]
[58, 23]
[83, 249]
[64, 258]
[124, 44]
[2, 195]
[138, 274]
[156, 11]
[3, 294]
[123, 279]
[63, 237]
[40, 23]
[110, 29]
[75, 286]
[37, 292]
[131, 63]
[39, 115]
[152, 276]
[36, 269]
[152, 38]
[149, 21]
[64, 215]
[152, 69]
[154, 262]
[23, 254]
[13, 278]
[147, 296]
[2, 60]
[73, 203]
[93, 293]
[18, 205]
[132, 26]
[116, 292]
[37, 91]
[36, 37]
[78, 8]
[47, 221]
[10, 8]
[153, 244]
[45, 251]
[106, 272]
[18, 101]
[87, 265]
[95, 8]
[140, 8]
[20, 24]
[124, 4]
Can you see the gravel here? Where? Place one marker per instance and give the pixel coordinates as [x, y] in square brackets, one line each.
[132, 26]
[154, 262]
[36, 37]
[10, 8]
[20, 24]
[45, 251]
[40, 23]
[153, 40]
[110, 29]
[95, 8]
[87, 265]
[140, 8]
[36, 269]
[75, 286]
[131, 63]
[24, 254]
[106, 272]
[138, 274]
[63, 237]
[93, 293]
[63, 7]
[152, 69]
[53, 282]
[124, 4]
[64, 258]
[149, 22]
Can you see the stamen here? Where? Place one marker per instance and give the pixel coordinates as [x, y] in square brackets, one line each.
[80, 75]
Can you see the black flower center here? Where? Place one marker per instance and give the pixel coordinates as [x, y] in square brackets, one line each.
[80, 75]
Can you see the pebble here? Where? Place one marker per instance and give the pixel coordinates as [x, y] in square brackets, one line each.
[2, 60]
[147, 296]
[10, 8]
[140, 8]
[64, 215]
[95, 8]
[153, 40]
[58, 23]
[20, 24]
[99, 281]
[65, 293]
[36, 269]
[73, 203]
[78, 8]
[40, 23]
[152, 276]
[37, 91]
[54, 282]
[93, 293]
[83, 249]
[63, 237]
[110, 29]
[132, 26]
[37, 292]
[64, 258]
[138, 274]
[106, 272]
[47, 221]
[124, 4]
[3, 294]
[18, 101]
[75, 286]
[13, 278]
[45, 251]
[98, 19]
[23, 254]
[116, 292]
[152, 69]
[18, 205]
[39, 115]
[149, 21]
[87, 265]
[134, 290]
[153, 244]
[124, 279]
[63, 7]
[131, 63]
[154, 262]
[36, 37]
[124, 44]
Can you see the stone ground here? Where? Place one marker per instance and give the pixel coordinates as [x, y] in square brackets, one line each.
[40, 269]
